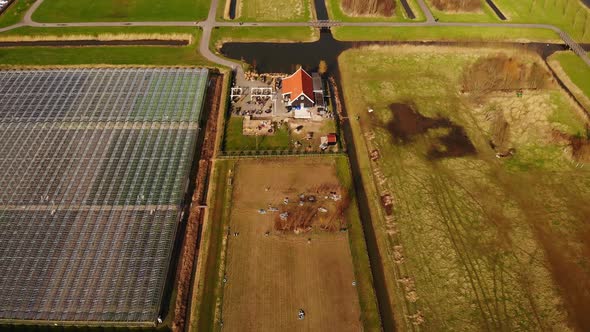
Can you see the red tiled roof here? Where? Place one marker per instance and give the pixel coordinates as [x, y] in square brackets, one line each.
[332, 138]
[298, 83]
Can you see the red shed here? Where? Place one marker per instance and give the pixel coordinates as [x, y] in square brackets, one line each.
[332, 139]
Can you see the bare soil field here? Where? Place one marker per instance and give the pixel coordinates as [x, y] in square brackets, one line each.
[476, 164]
[271, 274]
[457, 5]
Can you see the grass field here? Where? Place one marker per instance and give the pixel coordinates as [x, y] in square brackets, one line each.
[116, 55]
[121, 10]
[15, 12]
[276, 10]
[473, 242]
[272, 277]
[443, 33]
[234, 140]
[335, 12]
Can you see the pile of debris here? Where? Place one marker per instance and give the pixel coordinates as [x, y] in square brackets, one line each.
[324, 209]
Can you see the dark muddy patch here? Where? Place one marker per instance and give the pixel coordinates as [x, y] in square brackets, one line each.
[408, 124]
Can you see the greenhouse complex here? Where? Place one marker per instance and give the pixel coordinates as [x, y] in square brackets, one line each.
[94, 165]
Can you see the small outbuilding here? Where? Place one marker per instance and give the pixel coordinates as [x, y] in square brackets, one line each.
[332, 139]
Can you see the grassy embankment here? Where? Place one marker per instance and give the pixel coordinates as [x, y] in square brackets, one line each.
[485, 243]
[116, 55]
[358, 247]
[444, 34]
[335, 12]
[262, 34]
[210, 292]
[127, 10]
[574, 73]
[15, 12]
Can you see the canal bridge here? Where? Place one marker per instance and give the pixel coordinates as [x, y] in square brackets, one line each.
[324, 23]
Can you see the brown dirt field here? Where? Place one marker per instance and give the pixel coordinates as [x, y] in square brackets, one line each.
[369, 7]
[269, 278]
[457, 5]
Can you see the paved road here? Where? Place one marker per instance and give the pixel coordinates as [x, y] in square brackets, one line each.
[211, 23]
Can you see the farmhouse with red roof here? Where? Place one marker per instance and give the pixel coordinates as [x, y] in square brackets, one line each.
[297, 90]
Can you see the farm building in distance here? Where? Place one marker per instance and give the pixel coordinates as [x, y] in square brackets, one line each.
[94, 166]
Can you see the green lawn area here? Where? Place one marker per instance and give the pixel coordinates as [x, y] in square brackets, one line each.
[222, 35]
[276, 10]
[235, 141]
[443, 33]
[335, 12]
[15, 12]
[121, 10]
[485, 243]
[115, 55]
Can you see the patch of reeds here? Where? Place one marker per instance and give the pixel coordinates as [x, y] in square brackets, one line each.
[369, 7]
[99, 37]
[457, 5]
[503, 73]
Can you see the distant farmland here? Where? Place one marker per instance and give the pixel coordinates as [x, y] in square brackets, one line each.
[93, 168]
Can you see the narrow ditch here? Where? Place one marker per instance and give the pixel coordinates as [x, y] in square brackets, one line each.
[497, 10]
[321, 12]
[408, 9]
[232, 9]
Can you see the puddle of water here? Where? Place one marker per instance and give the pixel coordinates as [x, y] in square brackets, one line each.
[408, 124]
